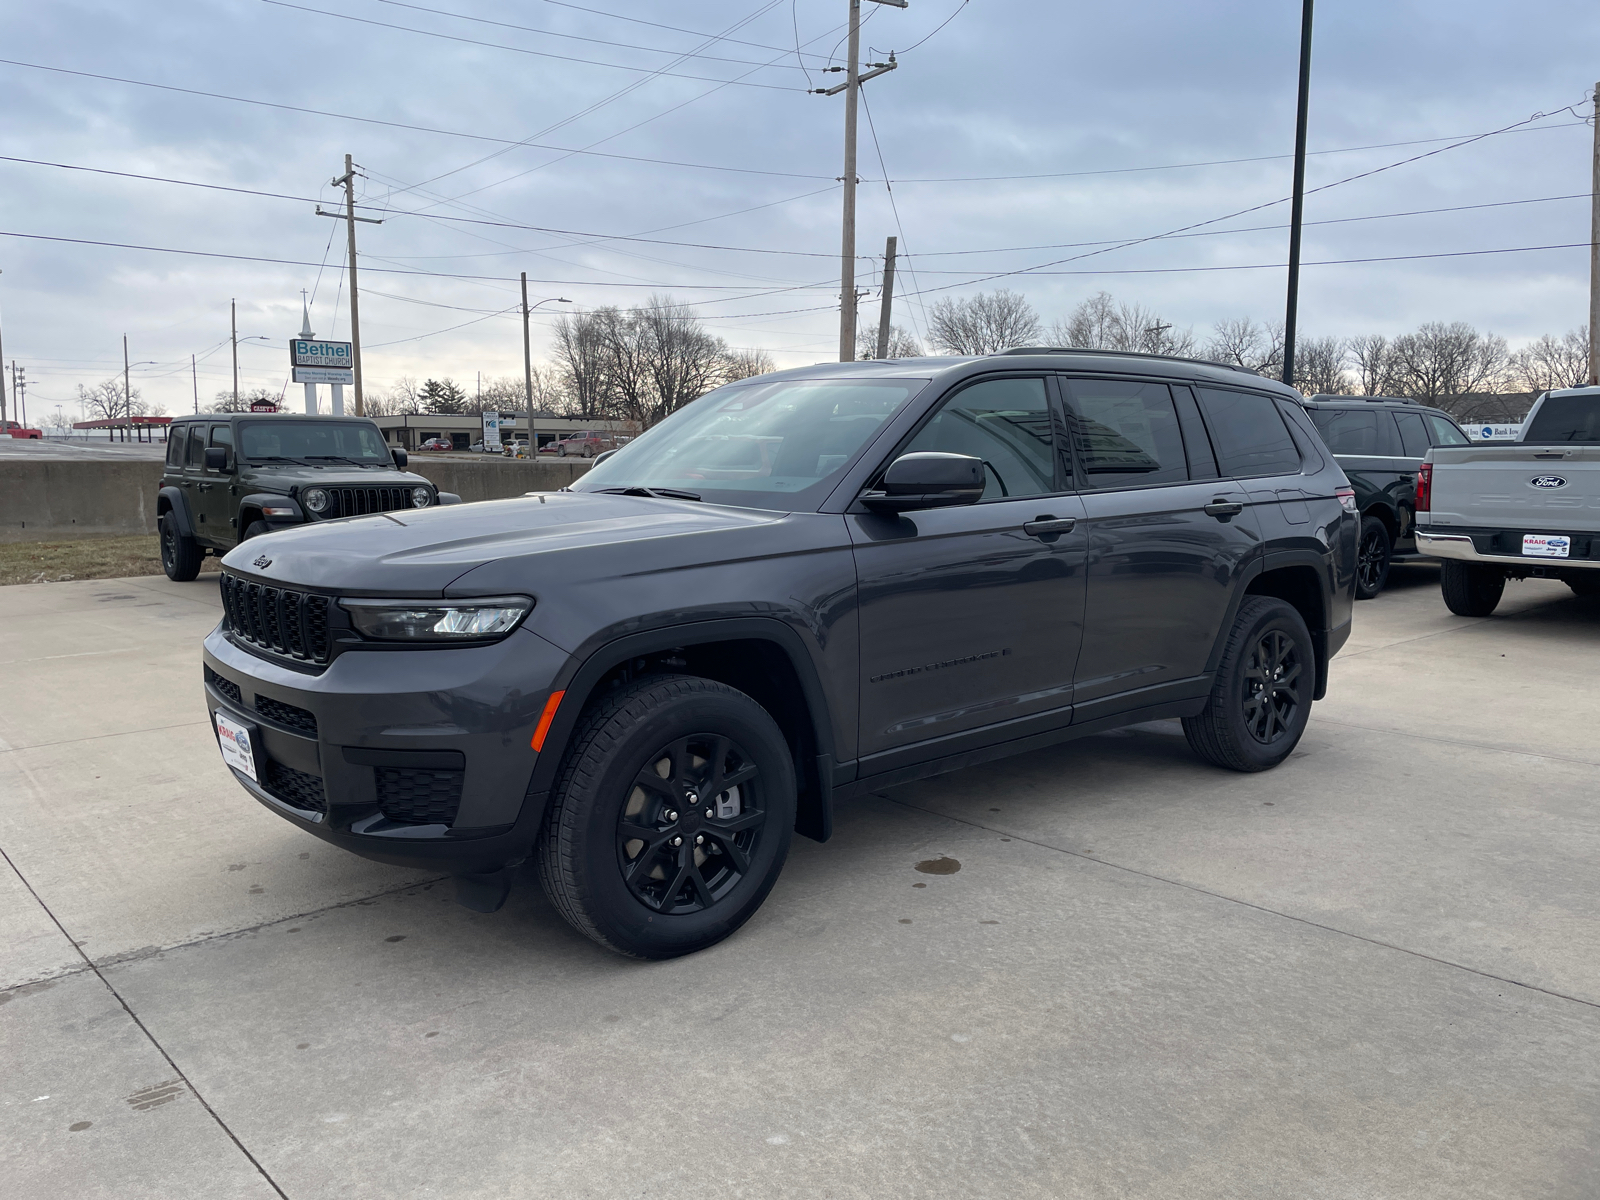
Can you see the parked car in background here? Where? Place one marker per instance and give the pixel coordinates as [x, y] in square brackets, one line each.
[802, 587]
[585, 444]
[18, 430]
[1380, 442]
[1516, 510]
[437, 443]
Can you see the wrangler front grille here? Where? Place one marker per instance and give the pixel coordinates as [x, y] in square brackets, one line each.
[284, 621]
[355, 501]
[418, 797]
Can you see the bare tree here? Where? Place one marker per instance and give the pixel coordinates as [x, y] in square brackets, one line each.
[983, 324]
[1551, 363]
[225, 403]
[583, 361]
[682, 360]
[402, 398]
[901, 343]
[1101, 323]
[106, 400]
[745, 364]
[1373, 359]
[1241, 342]
[1444, 365]
[1319, 366]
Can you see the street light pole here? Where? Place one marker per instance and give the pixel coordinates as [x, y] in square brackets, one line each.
[1292, 308]
[527, 347]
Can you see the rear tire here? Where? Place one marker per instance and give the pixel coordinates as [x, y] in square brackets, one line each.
[643, 768]
[1372, 558]
[180, 556]
[1585, 585]
[1261, 697]
[1471, 589]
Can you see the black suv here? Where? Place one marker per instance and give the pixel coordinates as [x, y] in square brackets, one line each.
[1380, 442]
[230, 477]
[798, 588]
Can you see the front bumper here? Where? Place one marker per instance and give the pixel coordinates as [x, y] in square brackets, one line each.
[1480, 548]
[411, 757]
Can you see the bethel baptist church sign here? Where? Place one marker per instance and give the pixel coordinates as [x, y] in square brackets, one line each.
[321, 362]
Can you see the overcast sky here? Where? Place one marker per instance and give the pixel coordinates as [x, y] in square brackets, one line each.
[1014, 134]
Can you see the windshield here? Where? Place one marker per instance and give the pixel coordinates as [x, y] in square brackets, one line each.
[776, 445]
[312, 440]
[1566, 419]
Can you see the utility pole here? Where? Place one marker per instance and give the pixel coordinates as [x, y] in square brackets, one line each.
[2, 385]
[233, 336]
[127, 392]
[847, 250]
[348, 182]
[19, 385]
[1292, 309]
[888, 297]
[1594, 254]
[194, 371]
[527, 354]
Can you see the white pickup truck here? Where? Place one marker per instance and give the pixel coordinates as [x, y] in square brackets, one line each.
[1515, 510]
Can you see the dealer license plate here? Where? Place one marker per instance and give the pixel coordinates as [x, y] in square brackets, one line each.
[1547, 545]
[238, 746]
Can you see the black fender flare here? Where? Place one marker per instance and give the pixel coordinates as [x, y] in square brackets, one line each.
[1273, 560]
[815, 817]
[174, 500]
[258, 501]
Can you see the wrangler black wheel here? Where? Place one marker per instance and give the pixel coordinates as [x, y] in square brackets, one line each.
[180, 556]
[1261, 696]
[1372, 559]
[671, 818]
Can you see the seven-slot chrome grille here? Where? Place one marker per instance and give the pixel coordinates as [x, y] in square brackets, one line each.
[281, 620]
[354, 501]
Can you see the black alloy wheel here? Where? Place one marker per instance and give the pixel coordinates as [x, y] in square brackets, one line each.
[1272, 683]
[691, 824]
[1261, 694]
[1372, 558]
[181, 558]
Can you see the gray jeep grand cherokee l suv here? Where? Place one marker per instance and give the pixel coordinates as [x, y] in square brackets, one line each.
[796, 589]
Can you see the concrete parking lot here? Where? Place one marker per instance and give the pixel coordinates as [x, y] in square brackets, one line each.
[1373, 972]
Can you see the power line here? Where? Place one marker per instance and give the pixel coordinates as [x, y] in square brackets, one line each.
[674, 28]
[960, 8]
[588, 62]
[895, 209]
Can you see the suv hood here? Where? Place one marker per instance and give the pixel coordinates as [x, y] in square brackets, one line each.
[422, 551]
[280, 477]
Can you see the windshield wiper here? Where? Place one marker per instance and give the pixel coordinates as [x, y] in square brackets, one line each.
[343, 458]
[278, 458]
[655, 492]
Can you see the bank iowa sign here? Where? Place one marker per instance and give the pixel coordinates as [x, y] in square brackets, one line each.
[308, 352]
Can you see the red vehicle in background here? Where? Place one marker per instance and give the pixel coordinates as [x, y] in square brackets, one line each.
[585, 444]
[22, 431]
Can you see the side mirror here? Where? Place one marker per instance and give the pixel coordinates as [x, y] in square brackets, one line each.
[927, 479]
[401, 458]
[216, 458]
[602, 456]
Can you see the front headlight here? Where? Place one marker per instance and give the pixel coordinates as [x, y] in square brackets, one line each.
[315, 499]
[441, 621]
[421, 497]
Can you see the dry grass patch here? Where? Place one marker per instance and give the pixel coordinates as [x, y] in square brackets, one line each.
[88, 558]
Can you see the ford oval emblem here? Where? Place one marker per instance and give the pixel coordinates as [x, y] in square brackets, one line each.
[1547, 483]
[264, 562]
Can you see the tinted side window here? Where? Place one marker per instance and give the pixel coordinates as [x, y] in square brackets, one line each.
[1349, 430]
[176, 438]
[1126, 433]
[1196, 445]
[1005, 422]
[1445, 433]
[1413, 434]
[1249, 436]
[197, 445]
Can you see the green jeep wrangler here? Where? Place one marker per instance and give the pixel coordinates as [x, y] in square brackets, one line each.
[233, 476]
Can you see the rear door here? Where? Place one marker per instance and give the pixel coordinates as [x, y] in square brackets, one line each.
[1168, 537]
[971, 617]
[1415, 441]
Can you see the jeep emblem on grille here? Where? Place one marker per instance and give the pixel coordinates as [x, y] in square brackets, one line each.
[1547, 483]
[263, 562]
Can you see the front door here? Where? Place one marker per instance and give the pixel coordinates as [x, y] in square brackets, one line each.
[971, 617]
[216, 488]
[1168, 537]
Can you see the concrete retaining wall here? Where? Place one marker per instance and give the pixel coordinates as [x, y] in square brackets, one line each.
[62, 499]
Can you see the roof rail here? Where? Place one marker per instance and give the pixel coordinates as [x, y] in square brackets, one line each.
[1367, 399]
[1126, 354]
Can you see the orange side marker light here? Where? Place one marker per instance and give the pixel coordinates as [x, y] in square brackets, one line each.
[545, 719]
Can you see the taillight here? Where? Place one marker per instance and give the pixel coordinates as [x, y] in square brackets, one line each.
[1425, 488]
[1347, 499]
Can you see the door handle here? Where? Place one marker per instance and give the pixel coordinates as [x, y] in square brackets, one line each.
[1047, 526]
[1224, 508]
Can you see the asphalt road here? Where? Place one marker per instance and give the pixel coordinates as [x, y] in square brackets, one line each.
[1373, 972]
[100, 449]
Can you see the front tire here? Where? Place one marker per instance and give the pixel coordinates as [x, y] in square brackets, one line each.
[1372, 559]
[1471, 589]
[180, 555]
[629, 855]
[1261, 697]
